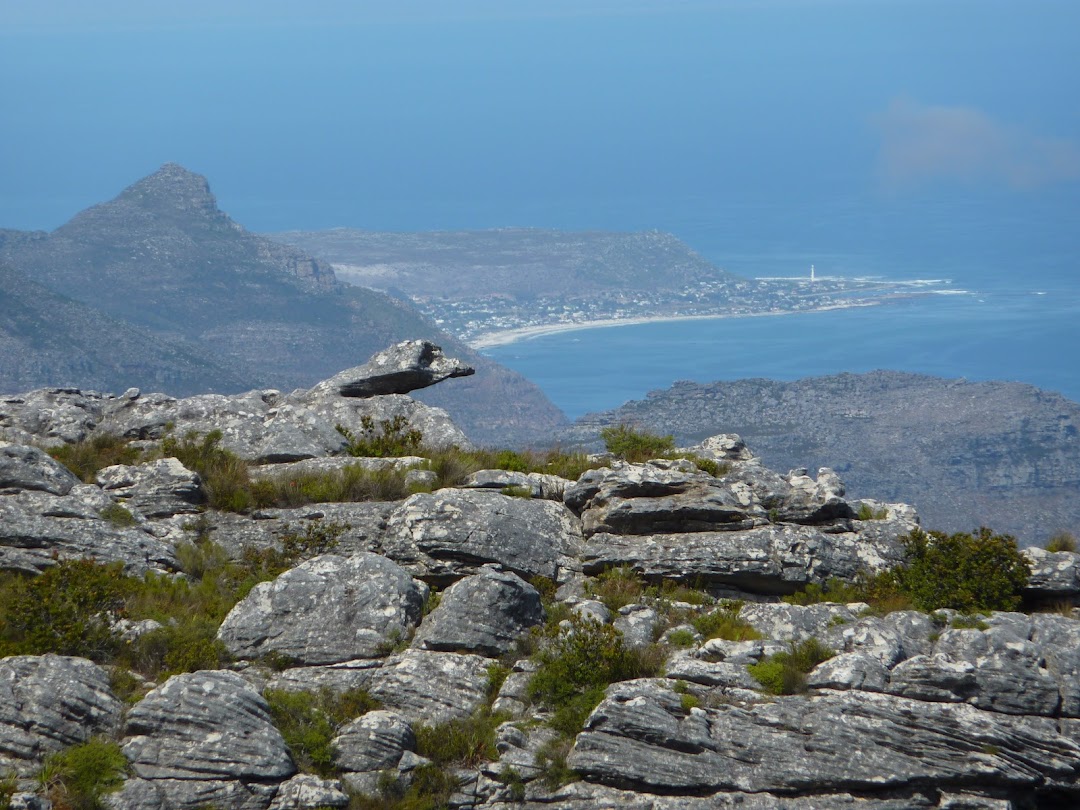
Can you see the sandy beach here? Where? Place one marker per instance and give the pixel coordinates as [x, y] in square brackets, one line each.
[487, 340]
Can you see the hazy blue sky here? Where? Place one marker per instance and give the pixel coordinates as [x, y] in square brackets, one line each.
[536, 112]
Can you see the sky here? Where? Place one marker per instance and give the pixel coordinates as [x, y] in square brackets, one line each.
[592, 113]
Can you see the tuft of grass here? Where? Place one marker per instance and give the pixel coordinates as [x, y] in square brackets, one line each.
[518, 492]
[834, 590]
[866, 513]
[681, 638]
[617, 587]
[785, 672]
[635, 445]
[351, 484]
[95, 453]
[78, 778]
[224, 474]
[1062, 541]
[309, 721]
[968, 622]
[725, 623]
[551, 760]
[118, 516]
[463, 742]
[716, 469]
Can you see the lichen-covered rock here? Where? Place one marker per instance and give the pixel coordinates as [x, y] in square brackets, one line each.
[23, 467]
[1055, 575]
[326, 610]
[485, 614]
[432, 687]
[51, 415]
[205, 725]
[306, 791]
[453, 533]
[191, 794]
[374, 742]
[50, 702]
[642, 738]
[156, 489]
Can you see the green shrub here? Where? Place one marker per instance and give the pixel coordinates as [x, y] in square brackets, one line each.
[95, 453]
[551, 760]
[578, 661]
[464, 742]
[866, 513]
[834, 590]
[681, 638]
[617, 587]
[725, 623]
[69, 610]
[118, 516]
[77, 778]
[309, 721]
[636, 446]
[714, 468]
[351, 484]
[970, 573]
[188, 645]
[785, 672]
[225, 475]
[671, 591]
[394, 438]
[1062, 541]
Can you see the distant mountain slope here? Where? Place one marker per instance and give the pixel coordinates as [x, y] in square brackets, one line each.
[163, 257]
[519, 262]
[46, 337]
[1002, 454]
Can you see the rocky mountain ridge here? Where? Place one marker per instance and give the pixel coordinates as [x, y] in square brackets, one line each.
[899, 709]
[164, 261]
[964, 453]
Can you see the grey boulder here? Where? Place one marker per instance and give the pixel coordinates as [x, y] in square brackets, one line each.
[485, 613]
[156, 489]
[23, 467]
[432, 687]
[399, 369]
[205, 725]
[326, 610]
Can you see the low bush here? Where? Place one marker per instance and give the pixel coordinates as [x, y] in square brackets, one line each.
[867, 513]
[118, 516]
[725, 623]
[224, 474]
[785, 672]
[617, 587]
[351, 484]
[1062, 541]
[834, 590]
[967, 572]
[309, 721]
[77, 778]
[95, 453]
[464, 742]
[634, 445]
[393, 438]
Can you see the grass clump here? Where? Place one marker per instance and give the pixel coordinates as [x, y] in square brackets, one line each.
[94, 453]
[725, 623]
[351, 484]
[634, 445]
[77, 778]
[118, 516]
[224, 474]
[617, 587]
[967, 572]
[834, 590]
[867, 513]
[309, 721]
[577, 662]
[393, 438]
[1062, 541]
[785, 672]
[463, 742]
[681, 638]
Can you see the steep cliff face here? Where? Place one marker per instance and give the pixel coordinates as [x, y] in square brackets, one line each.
[965, 454]
[583, 651]
[162, 258]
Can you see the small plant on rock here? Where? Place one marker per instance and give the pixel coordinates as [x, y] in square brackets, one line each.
[725, 623]
[1062, 541]
[617, 587]
[309, 721]
[78, 778]
[95, 453]
[394, 437]
[634, 445]
[785, 672]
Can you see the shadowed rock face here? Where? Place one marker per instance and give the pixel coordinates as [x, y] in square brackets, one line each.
[912, 710]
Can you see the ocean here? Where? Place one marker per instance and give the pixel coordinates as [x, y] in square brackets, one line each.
[1013, 312]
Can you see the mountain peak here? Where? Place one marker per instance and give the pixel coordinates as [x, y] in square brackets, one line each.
[173, 187]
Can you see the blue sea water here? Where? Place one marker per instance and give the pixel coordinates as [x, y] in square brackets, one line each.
[1014, 314]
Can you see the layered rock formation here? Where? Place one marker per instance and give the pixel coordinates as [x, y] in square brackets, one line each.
[909, 711]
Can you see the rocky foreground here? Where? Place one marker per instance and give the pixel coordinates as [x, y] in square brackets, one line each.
[910, 711]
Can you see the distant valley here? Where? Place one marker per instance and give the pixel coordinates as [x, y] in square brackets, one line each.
[965, 454]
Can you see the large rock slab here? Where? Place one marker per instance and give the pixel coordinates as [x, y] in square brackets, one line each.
[191, 794]
[205, 725]
[157, 489]
[374, 742]
[23, 467]
[327, 610]
[36, 528]
[453, 533]
[51, 702]
[641, 738]
[772, 559]
[485, 614]
[399, 369]
[432, 687]
[51, 415]
[1055, 576]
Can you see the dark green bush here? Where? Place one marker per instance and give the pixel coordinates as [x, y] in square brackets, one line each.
[394, 437]
[77, 778]
[95, 453]
[636, 445]
[68, 610]
[309, 721]
[967, 572]
[785, 672]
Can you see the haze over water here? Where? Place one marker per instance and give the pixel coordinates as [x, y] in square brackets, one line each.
[899, 138]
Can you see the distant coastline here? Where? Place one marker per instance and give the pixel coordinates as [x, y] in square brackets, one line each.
[489, 340]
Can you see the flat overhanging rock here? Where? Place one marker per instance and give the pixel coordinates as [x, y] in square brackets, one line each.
[402, 368]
